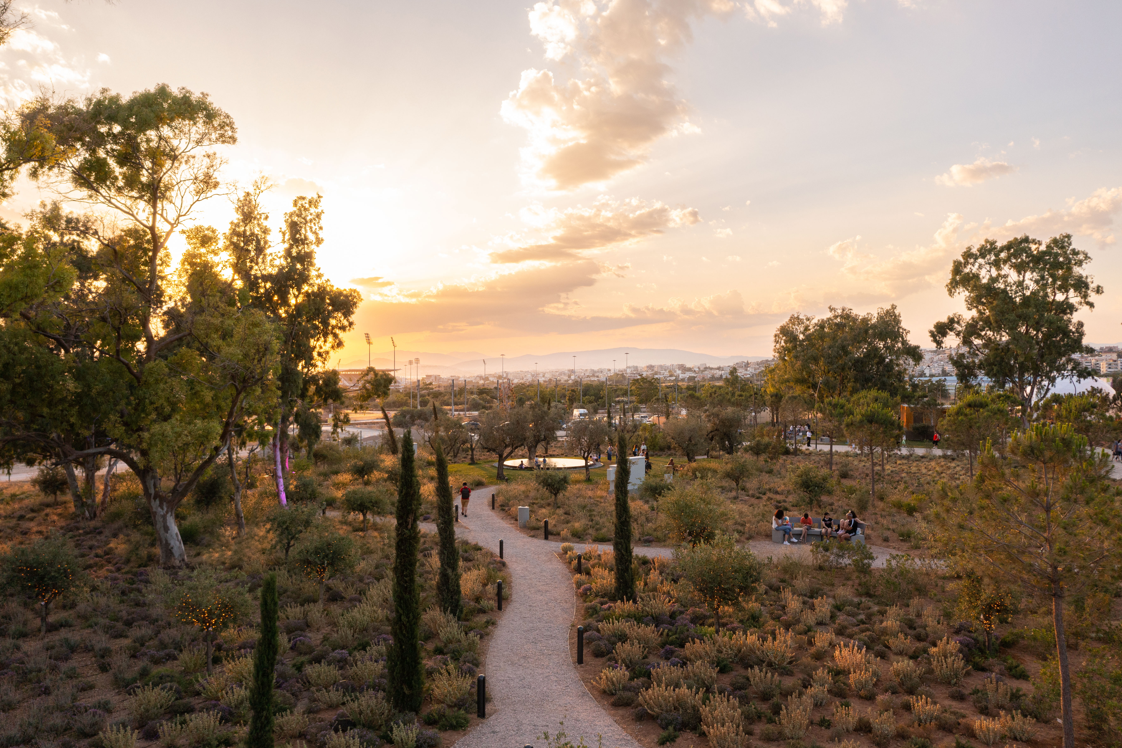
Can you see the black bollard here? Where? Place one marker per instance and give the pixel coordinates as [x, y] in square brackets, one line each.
[547, 529]
[500, 594]
[457, 512]
[481, 697]
[493, 494]
[500, 549]
[580, 645]
[580, 558]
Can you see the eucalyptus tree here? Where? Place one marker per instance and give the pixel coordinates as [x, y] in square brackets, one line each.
[182, 355]
[1022, 333]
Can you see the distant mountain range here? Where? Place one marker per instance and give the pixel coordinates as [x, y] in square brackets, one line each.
[472, 363]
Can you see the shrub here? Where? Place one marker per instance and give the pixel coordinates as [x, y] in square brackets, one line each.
[611, 680]
[324, 555]
[629, 654]
[322, 675]
[405, 735]
[720, 711]
[659, 700]
[844, 718]
[370, 710]
[305, 491]
[213, 489]
[364, 501]
[553, 482]
[908, 674]
[812, 483]
[43, 571]
[765, 682]
[148, 703]
[288, 524]
[653, 488]
[450, 687]
[719, 571]
[884, 728]
[118, 736]
[924, 710]
[947, 663]
[794, 718]
[211, 606]
[988, 730]
[695, 512]
[51, 480]
[1019, 727]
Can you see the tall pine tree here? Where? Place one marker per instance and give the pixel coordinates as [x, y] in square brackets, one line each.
[404, 666]
[448, 583]
[264, 665]
[621, 543]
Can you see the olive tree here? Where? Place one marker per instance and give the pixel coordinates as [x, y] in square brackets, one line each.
[721, 573]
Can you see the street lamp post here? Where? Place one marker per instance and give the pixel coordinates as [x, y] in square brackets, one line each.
[627, 375]
[367, 349]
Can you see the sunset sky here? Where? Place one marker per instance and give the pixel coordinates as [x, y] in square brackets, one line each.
[585, 174]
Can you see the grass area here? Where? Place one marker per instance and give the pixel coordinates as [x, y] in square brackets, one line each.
[818, 655]
[118, 654]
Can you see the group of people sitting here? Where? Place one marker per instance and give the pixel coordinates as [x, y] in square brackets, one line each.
[843, 530]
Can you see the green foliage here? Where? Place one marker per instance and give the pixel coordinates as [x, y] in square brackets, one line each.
[720, 572]
[738, 469]
[621, 538]
[653, 487]
[325, 554]
[836, 554]
[264, 664]
[448, 580]
[873, 423]
[694, 511]
[1024, 296]
[43, 571]
[289, 523]
[723, 427]
[812, 483]
[975, 420]
[211, 606]
[51, 480]
[843, 353]
[364, 501]
[553, 482]
[689, 436]
[305, 490]
[404, 666]
[213, 489]
[985, 605]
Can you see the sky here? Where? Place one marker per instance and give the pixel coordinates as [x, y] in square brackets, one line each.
[579, 174]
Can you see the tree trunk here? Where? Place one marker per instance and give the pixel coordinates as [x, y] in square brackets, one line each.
[278, 467]
[499, 474]
[172, 553]
[75, 490]
[106, 485]
[1065, 671]
[43, 618]
[89, 485]
[209, 651]
[970, 459]
[831, 453]
[237, 489]
[587, 473]
[390, 434]
[873, 475]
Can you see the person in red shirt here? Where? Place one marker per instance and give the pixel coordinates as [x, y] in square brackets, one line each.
[935, 440]
[805, 523]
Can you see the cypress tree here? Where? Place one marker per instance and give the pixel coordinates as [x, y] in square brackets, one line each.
[448, 583]
[621, 543]
[404, 666]
[264, 664]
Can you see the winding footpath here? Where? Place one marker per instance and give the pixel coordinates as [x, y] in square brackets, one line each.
[530, 676]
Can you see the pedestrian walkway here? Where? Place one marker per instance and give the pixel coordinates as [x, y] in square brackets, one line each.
[530, 676]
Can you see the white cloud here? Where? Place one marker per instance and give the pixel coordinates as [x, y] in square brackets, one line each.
[965, 175]
[1092, 216]
[571, 233]
[31, 63]
[722, 233]
[104, 58]
[905, 272]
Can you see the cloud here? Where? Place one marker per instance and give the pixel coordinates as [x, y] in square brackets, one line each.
[768, 12]
[903, 273]
[373, 283]
[619, 99]
[1093, 216]
[104, 58]
[966, 175]
[32, 63]
[298, 186]
[607, 223]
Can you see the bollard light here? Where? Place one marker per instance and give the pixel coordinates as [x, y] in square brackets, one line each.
[481, 697]
[547, 529]
[580, 558]
[493, 499]
[580, 645]
[500, 548]
[500, 594]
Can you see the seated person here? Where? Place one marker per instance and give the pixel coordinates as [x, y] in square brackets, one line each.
[781, 522]
[521, 465]
[848, 526]
[828, 528]
[805, 523]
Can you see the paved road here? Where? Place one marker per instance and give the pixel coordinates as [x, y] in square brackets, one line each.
[529, 670]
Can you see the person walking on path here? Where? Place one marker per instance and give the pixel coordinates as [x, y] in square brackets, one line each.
[935, 439]
[465, 496]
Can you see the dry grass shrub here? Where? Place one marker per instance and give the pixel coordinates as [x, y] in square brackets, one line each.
[148, 703]
[901, 645]
[628, 630]
[192, 660]
[342, 740]
[924, 710]
[322, 675]
[998, 694]
[611, 680]
[778, 650]
[908, 674]
[1019, 727]
[656, 604]
[328, 698]
[821, 677]
[213, 687]
[292, 724]
[818, 694]
[884, 727]
[450, 686]
[765, 682]
[989, 730]
[699, 676]
[198, 729]
[434, 619]
[844, 717]
[473, 583]
[629, 654]
[720, 711]
[366, 667]
[727, 736]
[792, 603]
[862, 681]
[659, 700]
[822, 606]
[947, 662]
[240, 669]
[118, 736]
[851, 657]
[623, 609]
[794, 718]
[370, 710]
[713, 650]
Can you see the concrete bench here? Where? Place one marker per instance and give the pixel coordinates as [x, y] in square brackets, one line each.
[815, 534]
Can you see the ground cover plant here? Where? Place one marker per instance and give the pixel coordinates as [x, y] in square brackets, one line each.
[817, 654]
[137, 655]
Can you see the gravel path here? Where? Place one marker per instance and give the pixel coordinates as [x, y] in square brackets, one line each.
[530, 675]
